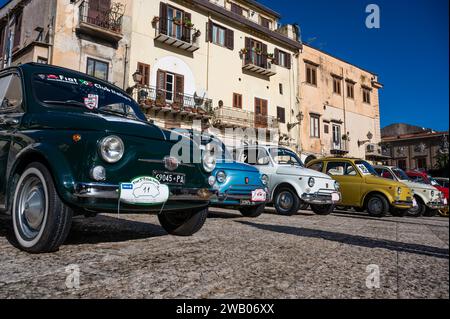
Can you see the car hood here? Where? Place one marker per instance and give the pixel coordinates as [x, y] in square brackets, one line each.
[376, 180]
[235, 166]
[417, 185]
[300, 171]
[88, 121]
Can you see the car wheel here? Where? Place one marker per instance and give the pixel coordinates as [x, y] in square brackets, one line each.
[419, 210]
[322, 209]
[287, 202]
[252, 212]
[183, 223]
[431, 212]
[399, 212]
[377, 206]
[41, 221]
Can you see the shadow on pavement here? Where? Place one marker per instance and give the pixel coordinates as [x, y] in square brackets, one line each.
[105, 229]
[402, 220]
[224, 215]
[354, 240]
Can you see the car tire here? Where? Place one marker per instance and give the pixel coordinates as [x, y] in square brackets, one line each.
[286, 202]
[183, 223]
[399, 212]
[41, 221]
[252, 212]
[377, 205]
[431, 212]
[323, 209]
[419, 210]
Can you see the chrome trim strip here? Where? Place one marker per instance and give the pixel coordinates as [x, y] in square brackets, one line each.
[162, 162]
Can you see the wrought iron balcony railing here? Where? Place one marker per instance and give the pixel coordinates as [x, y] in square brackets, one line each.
[257, 62]
[108, 19]
[338, 147]
[150, 97]
[234, 117]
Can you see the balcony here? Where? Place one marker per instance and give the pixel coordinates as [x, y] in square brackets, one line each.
[100, 22]
[339, 148]
[229, 117]
[158, 100]
[177, 34]
[256, 62]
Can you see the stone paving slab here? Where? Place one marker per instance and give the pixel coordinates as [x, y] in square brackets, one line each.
[303, 256]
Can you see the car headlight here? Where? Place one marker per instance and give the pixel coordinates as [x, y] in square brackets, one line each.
[265, 179]
[221, 177]
[211, 180]
[111, 149]
[337, 186]
[399, 191]
[432, 193]
[209, 163]
[311, 182]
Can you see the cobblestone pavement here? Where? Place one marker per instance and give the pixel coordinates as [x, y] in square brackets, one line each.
[304, 256]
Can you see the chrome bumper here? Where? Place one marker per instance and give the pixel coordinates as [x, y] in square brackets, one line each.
[106, 191]
[320, 198]
[436, 205]
[403, 203]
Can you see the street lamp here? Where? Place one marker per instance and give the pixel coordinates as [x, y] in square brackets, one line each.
[369, 139]
[300, 117]
[137, 77]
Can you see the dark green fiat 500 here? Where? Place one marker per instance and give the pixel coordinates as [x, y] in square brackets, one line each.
[75, 145]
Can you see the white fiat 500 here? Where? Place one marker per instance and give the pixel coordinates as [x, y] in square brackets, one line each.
[290, 183]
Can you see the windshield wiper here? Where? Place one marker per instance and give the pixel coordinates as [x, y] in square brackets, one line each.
[68, 102]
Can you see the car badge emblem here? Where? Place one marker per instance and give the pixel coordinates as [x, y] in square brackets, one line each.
[171, 163]
[247, 180]
[327, 185]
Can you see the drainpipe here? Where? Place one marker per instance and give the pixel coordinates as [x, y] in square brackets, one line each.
[345, 107]
[125, 67]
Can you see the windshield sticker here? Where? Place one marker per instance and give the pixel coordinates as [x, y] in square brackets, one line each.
[363, 169]
[61, 78]
[87, 83]
[91, 102]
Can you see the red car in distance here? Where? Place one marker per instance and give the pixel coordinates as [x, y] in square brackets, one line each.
[423, 177]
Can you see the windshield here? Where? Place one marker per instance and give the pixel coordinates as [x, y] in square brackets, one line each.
[283, 156]
[433, 181]
[365, 168]
[401, 174]
[73, 91]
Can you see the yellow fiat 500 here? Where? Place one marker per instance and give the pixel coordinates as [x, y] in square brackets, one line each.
[363, 189]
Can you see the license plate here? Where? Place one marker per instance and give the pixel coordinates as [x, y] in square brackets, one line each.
[170, 178]
[414, 202]
[259, 195]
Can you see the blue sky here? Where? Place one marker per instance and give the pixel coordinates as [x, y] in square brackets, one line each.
[410, 52]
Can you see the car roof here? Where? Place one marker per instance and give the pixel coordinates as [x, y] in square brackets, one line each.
[40, 67]
[351, 159]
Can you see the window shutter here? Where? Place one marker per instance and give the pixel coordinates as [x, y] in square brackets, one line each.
[248, 46]
[229, 42]
[276, 54]
[163, 18]
[179, 88]
[161, 83]
[144, 69]
[288, 60]
[186, 30]
[264, 55]
[209, 30]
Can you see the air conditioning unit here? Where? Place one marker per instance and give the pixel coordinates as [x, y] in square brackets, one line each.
[370, 148]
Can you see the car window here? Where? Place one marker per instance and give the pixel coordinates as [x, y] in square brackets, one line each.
[283, 156]
[317, 167]
[255, 157]
[11, 94]
[341, 169]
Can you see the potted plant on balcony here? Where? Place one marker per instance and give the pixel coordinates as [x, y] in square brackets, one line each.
[155, 20]
[177, 21]
[270, 56]
[243, 51]
[188, 23]
[258, 51]
[160, 99]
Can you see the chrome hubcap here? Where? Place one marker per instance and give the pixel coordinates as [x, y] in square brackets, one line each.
[285, 200]
[31, 207]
